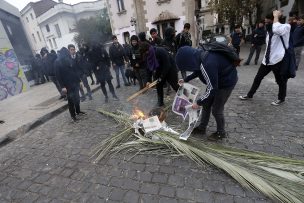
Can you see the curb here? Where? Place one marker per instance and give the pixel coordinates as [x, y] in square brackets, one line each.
[14, 134]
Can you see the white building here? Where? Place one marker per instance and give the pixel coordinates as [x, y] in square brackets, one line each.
[129, 17]
[54, 26]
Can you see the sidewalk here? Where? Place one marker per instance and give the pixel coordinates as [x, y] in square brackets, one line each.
[28, 110]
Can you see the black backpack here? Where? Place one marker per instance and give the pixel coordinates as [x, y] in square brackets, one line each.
[222, 48]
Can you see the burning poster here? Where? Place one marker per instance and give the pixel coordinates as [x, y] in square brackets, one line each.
[194, 118]
[182, 105]
[151, 124]
[185, 96]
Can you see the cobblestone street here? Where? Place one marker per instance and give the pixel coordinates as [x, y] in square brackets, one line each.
[52, 163]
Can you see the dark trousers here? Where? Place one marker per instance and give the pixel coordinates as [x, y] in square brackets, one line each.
[84, 80]
[262, 72]
[103, 87]
[141, 76]
[56, 83]
[238, 49]
[172, 79]
[257, 49]
[73, 100]
[216, 105]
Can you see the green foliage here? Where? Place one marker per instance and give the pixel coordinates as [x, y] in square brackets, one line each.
[233, 10]
[94, 30]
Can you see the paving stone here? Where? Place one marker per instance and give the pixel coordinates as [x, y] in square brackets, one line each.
[219, 198]
[243, 200]
[185, 193]
[117, 194]
[131, 197]
[149, 188]
[167, 191]
[176, 180]
[203, 196]
[160, 178]
[131, 185]
[167, 200]
[144, 176]
[147, 198]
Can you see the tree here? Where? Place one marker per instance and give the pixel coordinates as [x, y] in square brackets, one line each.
[93, 30]
[233, 11]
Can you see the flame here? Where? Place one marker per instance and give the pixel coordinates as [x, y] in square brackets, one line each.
[138, 114]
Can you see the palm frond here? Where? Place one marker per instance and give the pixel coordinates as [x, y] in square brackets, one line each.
[278, 178]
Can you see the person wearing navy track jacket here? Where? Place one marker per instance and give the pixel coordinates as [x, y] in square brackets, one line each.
[219, 74]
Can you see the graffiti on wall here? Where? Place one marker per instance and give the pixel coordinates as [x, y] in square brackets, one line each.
[12, 79]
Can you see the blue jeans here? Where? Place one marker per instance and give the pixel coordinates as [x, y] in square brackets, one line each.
[122, 71]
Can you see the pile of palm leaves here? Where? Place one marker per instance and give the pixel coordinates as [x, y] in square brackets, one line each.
[279, 178]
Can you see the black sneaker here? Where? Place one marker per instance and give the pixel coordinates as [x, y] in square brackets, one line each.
[217, 136]
[82, 113]
[82, 99]
[245, 97]
[115, 98]
[246, 64]
[199, 130]
[277, 103]
[118, 86]
[106, 99]
[74, 119]
[127, 84]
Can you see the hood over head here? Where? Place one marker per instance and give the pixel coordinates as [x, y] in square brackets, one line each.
[142, 36]
[188, 59]
[134, 37]
[169, 33]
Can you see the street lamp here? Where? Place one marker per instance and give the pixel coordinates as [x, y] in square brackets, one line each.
[133, 21]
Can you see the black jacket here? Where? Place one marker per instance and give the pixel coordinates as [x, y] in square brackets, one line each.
[117, 54]
[48, 64]
[258, 36]
[165, 63]
[65, 70]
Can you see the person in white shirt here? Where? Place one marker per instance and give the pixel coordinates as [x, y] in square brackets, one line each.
[273, 56]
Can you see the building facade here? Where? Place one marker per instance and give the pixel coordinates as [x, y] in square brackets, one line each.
[129, 17]
[54, 26]
[15, 53]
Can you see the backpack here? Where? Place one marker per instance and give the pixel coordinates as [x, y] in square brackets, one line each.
[288, 65]
[229, 52]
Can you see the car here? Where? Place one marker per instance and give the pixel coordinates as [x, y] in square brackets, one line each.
[215, 37]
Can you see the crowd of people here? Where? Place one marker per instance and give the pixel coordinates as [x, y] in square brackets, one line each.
[161, 60]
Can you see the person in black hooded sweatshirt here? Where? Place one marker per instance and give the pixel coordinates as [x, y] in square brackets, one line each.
[220, 76]
[159, 62]
[69, 80]
[137, 63]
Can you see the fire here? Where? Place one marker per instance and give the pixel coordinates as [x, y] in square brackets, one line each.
[138, 114]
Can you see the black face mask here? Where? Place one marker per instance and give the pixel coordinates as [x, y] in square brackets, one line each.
[269, 27]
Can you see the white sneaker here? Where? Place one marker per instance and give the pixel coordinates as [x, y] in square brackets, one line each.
[277, 103]
[245, 97]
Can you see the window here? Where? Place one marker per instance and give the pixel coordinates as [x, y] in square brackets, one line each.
[55, 44]
[27, 20]
[34, 38]
[51, 44]
[47, 28]
[32, 16]
[121, 6]
[38, 34]
[58, 30]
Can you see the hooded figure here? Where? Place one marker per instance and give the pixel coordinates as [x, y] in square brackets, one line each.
[69, 80]
[159, 62]
[219, 74]
[137, 62]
